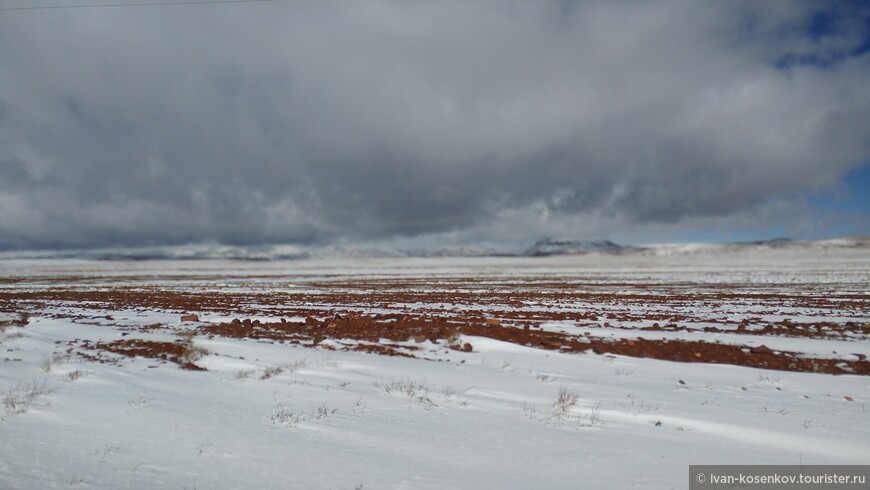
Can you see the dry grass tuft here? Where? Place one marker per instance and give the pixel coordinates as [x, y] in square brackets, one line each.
[22, 320]
[563, 404]
[77, 374]
[190, 352]
[22, 396]
[56, 359]
[290, 417]
[271, 371]
[407, 387]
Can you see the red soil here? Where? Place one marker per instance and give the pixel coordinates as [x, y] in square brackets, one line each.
[382, 316]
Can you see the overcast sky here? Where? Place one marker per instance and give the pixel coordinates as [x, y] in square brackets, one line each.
[452, 122]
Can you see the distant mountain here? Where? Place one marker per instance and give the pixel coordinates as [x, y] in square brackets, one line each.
[567, 246]
[466, 251]
[542, 248]
[736, 247]
[199, 251]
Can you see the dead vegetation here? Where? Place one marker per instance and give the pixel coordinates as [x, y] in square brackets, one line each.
[22, 321]
[565, 412]
[406, 387]
[413, 390]
[563, 403]
[290, 368]
[76, 375]
[290, 418]
[56, 359]
[19, 398]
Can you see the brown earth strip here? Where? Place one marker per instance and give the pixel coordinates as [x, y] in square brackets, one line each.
[177, 352]
[406, 328]
[442, 309]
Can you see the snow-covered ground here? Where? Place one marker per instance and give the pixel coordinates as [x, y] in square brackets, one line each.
[266, 415]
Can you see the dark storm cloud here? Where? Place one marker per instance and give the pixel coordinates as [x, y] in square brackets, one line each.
[316, 121]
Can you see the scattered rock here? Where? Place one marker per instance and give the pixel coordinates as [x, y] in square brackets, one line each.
[552, 344]
[761, 349]
[189, 318]
[466, 347]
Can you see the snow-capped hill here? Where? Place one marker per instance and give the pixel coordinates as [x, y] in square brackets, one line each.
[757, 245]
[565, 246]
[542, 248]
[340, 252]
[196, 251]
[465, 251]
[845, 242]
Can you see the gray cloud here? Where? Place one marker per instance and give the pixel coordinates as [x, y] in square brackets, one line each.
[321, 121]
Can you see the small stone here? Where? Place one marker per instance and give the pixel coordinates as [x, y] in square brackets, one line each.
[466, 347]
[493, 322]
[761, 349]
[189, 318]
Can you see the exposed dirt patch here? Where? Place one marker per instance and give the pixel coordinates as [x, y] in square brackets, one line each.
[377, 331]
[177, 352]
[22, 321]
[391, 316]
[784, 328]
